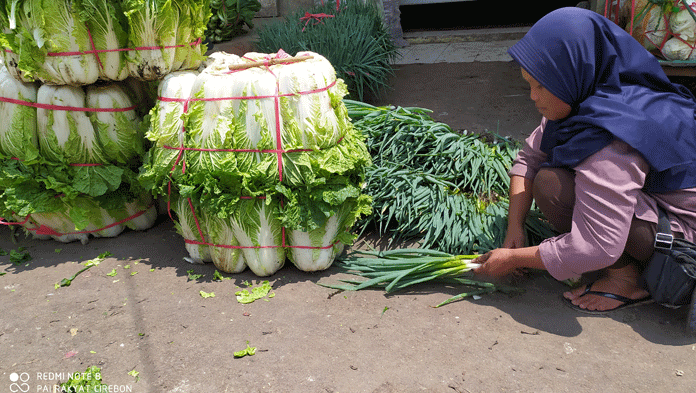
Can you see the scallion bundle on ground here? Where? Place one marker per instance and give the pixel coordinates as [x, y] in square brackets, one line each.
[445, 191]
[397, 269]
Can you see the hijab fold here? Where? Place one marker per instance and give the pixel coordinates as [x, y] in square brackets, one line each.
[616, 89]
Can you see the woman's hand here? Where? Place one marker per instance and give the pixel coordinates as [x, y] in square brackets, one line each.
[515, 238]
[502, 262]
[496, 263]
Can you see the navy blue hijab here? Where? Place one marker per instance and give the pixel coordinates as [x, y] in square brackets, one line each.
[616, 89]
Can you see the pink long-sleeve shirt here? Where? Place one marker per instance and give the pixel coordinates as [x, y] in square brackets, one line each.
[608, 193]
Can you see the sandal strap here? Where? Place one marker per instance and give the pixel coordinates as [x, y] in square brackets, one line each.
[623, 299]
[610, 295]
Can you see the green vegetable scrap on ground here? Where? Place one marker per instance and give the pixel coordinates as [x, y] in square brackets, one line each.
[88, 264]
[259, 292]
[248, 351]
[394, 270]
[217, 276]
[446, 190]
[192, 276]
[135, 374]
[19, 256]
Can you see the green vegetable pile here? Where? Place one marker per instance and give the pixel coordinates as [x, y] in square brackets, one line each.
[353, 38]
[444, 189]
[76, 86]
[231, 18]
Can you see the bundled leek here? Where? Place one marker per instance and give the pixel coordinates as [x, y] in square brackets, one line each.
[429, 182]
[397, 269]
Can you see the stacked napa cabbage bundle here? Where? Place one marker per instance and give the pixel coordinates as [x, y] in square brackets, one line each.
[78, 42]
[251, 179]
[67, 173]
[666, 27]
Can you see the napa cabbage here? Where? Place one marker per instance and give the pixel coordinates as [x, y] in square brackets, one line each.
[97, 146]
[52, 27]
[226, 255]
[271, 178]
[109, 31]
[189, 225]
[18, 138]
[166, 131]
[191, 51]
[153, 24]
[47, 213]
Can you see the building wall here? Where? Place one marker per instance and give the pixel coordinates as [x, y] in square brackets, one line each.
[280, 8]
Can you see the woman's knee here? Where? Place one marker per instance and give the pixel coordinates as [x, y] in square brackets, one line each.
[641, 240]
[554, 193]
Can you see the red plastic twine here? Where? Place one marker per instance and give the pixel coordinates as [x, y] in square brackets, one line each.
[279, 151]
[317, 18]
[64, 108]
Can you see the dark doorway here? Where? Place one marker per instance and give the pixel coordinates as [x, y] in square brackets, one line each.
[476, 14]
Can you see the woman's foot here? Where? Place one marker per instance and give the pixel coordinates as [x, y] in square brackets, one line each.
[622, 282]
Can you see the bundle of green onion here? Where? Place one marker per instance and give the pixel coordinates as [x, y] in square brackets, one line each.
[396, 269]
[447, 190]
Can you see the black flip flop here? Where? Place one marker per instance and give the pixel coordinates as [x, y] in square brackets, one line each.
[626, 302]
